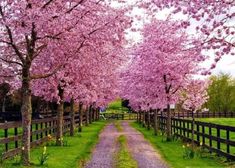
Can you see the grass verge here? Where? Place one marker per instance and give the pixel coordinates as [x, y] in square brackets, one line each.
[123, 157]
[73, 155]
[173, 152]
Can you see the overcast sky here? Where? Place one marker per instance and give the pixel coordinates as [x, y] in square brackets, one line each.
[225, 65]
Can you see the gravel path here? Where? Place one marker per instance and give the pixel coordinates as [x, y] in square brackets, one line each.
[142, 151]
[102, 156]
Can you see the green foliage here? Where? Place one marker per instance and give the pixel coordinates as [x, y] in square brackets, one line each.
[44, 156]
[188, 152]
[123, 157]
[172, 152]
[221, 93]
[17, 160]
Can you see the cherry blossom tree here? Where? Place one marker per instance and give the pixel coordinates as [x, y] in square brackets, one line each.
[161, 67]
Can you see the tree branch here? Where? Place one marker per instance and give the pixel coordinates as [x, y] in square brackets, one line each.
[71, 9]
[41, 76]
[46, 4]
[11, 62]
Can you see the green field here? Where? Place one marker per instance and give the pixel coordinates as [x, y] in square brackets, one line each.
[221, 121]
[116, 107]
[73, 155]
[173, 152]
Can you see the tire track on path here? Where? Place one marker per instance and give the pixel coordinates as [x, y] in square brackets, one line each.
[141, 149]
[103, 154]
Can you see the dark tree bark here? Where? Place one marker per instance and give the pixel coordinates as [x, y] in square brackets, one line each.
[87, 116]
[80, 117]
[140, 118]
[168, 124]
[4, 104]
[148, 120]
[193, 132]
[72, 118]
[143, 119]
[156, 125]
[26, 111]
[90, 114]
[98, 113]
[60, 118]
[137, 119]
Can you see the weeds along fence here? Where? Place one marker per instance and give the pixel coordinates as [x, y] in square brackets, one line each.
[218, 139]
[11, 134]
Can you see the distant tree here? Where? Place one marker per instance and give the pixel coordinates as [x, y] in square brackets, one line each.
[125, 103]
[221, 93]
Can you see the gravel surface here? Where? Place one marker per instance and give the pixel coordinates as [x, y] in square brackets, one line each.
[103, 154]
[141, 149]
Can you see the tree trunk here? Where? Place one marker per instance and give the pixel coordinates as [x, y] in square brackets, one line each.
[80, 117]
[140, 117]
[168, 124]
[143, 119]
[87, 116]
[148, 120]
[4, 104]
[156, 125]
[98, 113]
[60, 118]
[193, 124]
[26, 112]
[72, 118]
[90, 114]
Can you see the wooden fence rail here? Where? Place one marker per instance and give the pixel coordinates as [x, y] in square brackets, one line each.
[120, 116]
[219, 139]
[11, 134]
[199, 114]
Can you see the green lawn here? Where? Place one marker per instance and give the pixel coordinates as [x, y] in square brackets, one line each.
[74, 155]
[221, 121]
[173, 152]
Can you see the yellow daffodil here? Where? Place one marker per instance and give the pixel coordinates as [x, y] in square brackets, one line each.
[44, 150]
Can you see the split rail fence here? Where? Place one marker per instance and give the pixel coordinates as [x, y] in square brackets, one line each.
[218, 139]
[205, 114]
[11, 133]
[120, 116]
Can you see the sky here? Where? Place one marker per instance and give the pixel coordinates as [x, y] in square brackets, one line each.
[225, 65]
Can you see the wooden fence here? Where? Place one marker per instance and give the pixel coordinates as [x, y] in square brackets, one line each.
[199, 114]
[219, 139]
[11, 133]
[120, 116]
